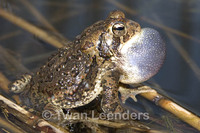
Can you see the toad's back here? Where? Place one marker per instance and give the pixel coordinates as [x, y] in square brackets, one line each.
[67, 79]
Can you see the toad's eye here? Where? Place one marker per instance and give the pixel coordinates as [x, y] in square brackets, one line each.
[118, 29]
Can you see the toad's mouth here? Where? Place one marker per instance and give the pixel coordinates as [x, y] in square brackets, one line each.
[142, 56]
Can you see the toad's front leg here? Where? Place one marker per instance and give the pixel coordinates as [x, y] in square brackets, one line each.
[127, 92]
[110, 83]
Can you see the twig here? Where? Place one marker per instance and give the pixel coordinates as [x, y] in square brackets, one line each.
[172, 107]
[185, 55]
[64, 4]
[4, 82]
[112, 124]
[136, 126]
[11, 61]
[9, 35]
[38, 57]
[31, 28]
[28, 118]
[58, 18]
[39, 16]
[9, 127]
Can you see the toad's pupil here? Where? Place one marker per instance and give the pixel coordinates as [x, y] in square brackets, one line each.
[118, 29]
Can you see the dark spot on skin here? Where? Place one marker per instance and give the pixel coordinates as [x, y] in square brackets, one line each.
[52, 56]
[58, 69]
[114, 95]
[105, 87]
[104, 81]
[50, 63]
[126, 37]
[49, 78]
[87, 89]
[87, 45]
[115, 74]
[61, 82]
[61, 54]
[131, 23]
[115, 43]
[87, 69]
[114, 105]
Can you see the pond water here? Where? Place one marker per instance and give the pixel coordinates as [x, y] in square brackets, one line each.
[177, 21]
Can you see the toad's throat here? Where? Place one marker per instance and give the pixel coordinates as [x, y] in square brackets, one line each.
[142, 56]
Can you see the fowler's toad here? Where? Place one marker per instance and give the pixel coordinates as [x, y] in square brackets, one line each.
[110, 51]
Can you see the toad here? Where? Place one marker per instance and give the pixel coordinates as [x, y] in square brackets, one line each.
[109, 52]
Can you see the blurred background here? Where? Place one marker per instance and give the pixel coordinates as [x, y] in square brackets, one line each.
[177, 21]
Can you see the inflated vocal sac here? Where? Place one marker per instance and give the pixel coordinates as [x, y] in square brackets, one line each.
[142, 57]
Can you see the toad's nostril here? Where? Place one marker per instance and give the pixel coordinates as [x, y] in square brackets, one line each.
[144, 57]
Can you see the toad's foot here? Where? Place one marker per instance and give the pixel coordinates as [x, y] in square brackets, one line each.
[20, 84]
[53, 113]
[127, 92]
[61, 116]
